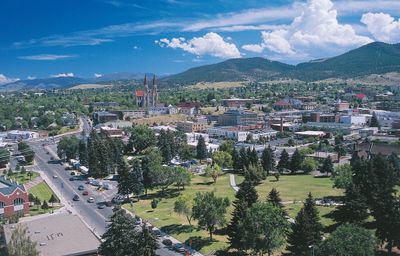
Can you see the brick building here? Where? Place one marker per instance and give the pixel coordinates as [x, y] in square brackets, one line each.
[13, 198]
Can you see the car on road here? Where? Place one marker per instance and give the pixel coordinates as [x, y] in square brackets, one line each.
[90, 200]
[72, 179]
[73, 173]
[101, 206]
[55, 176]
[81, 187]
[178, 247]
[167, 242]
[51, 158]
[85, 193]
[108, 203]
[76, 198]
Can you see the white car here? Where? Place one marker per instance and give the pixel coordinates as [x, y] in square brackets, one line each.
[55, 176]
[90, 200]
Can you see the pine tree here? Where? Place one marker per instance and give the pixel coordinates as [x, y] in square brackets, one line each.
[267, 160]
[354, 209]
[296, 160]
[93, 157]
[83, 154]
[274, 198]
[136, 179]
[253, 157]
[124, 181]
[283, 160]
[236, 161]
[374, 121]
[45, 205]
[306, 231]
[244, 160]
[53, 199]
[121, 237]
[201, 148]
[245, 198]
[148, 242]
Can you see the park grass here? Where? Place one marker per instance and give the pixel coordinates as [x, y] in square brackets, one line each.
[22, 178]
[43, 192]
[291, 188]
[177, 226]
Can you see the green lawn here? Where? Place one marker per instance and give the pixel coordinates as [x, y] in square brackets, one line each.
[290, 187]
[22, 178]
[177, 226]
[44, 192]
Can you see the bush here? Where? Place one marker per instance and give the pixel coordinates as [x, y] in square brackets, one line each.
[154, 203]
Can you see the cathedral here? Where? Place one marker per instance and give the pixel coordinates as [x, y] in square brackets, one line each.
[148, 97]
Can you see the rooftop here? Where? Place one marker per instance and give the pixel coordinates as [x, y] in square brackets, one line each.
[7, 187]
[59, 234]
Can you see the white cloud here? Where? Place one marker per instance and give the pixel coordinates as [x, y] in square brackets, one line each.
[209, 44]
[7, 80]
[351, 7]
[97, 75]
[63, 75]
[46, 57]
[382, 26]
[31, 77]
[317, 28]
[135, 47]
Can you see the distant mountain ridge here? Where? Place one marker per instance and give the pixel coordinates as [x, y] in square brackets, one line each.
[373, 58]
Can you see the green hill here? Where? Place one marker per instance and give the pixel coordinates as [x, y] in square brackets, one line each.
[374, 58]
[246, 69]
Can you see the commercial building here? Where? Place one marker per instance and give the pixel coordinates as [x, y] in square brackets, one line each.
[13, 198]
[58, 234]
[238, 117]
[111, 132]
[342, 105]
[199, 125]
[104, 116]
[235, 102]
[21, 135]
[188, 108]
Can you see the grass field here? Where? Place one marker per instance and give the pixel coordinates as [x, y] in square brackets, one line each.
[90, 86]
[291, 188]
[22, 178]
[44, 192]
[218, 85]
[166, 119]
[177, 226]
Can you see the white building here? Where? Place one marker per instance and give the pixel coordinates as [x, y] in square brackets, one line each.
[358, 120]
[193, 137]
[21, 135]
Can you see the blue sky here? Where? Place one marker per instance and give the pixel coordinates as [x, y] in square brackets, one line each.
[46, 38]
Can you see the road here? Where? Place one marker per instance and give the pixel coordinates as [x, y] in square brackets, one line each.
[96, 218]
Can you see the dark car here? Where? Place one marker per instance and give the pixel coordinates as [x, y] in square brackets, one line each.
[73, 173]
[101, 206]
[85, 193]
[108, 203]
[179, 247]
[81, 187]
[72, 178]
[167, 242]
[76, 198]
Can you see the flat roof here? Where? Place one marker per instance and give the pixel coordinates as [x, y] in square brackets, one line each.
[58, 234]
[311, 133]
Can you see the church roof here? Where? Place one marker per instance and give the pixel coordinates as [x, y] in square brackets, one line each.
[139, 93]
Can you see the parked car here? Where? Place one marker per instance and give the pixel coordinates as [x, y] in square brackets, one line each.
[178, 247]
[85, 193]
[81, 187]
[76, 198]
[73, 173]
[101, 206]
[167, 242]
[72, 178]
[90, 200]
[108, 203]
[55, 176]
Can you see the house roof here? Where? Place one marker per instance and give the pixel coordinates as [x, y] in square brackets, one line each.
[7, 187]
[282, 103]
[139, 93]
[360, 96]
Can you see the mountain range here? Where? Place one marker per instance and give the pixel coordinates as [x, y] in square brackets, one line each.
[374, 58]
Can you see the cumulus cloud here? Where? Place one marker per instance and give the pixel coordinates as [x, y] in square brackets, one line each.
[6, 80]
[209, 44]
[63, 75]
[97, 75]
[382, 26]
[31, 77]
[316, 28]
[46, 57]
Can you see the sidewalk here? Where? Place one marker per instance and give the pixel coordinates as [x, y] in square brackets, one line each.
[232, 182]
[33, 182]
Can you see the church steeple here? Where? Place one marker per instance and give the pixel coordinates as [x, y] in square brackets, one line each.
[146, 92]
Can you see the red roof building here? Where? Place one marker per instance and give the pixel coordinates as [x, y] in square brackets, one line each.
[361, 96]
[13, 199]
[139, 93]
